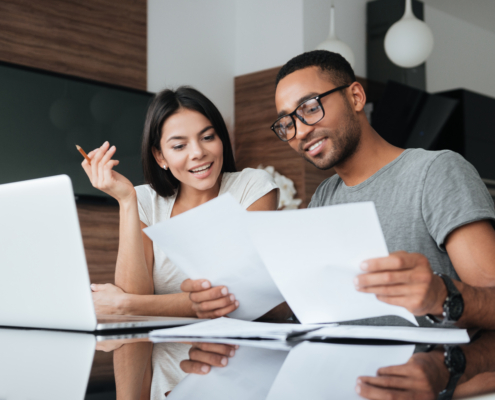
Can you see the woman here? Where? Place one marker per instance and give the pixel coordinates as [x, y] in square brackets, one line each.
[187, 160]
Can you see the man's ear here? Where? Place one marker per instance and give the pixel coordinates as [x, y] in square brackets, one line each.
[157, 154]
[358, 96]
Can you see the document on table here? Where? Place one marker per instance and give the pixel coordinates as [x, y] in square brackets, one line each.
[233, 328]
[399, 333]
[211, 242]
[324, 370]
[249, 375]
[229, 328]
[313, 256]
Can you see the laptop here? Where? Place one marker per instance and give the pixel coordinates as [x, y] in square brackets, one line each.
[44, 280]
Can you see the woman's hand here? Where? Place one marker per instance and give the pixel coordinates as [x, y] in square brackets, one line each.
[103, 177]
[108, 299]
[209, 302]
[203, 356]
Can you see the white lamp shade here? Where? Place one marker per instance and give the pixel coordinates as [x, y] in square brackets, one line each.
[337, 46]
[408, 42]
[333, 44]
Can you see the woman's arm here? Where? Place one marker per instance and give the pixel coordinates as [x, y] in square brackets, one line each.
[133, 269]
[130, 295]
[132, 365]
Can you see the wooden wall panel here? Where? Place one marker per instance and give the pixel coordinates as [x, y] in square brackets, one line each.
[255, 142]
[100, 232]
[104, 40]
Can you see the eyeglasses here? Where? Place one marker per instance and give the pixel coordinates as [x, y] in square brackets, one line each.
[309, 112]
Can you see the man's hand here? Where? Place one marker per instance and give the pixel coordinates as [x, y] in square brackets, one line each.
[424, 376]
[108, 299]
[202, 356]
[404, 279]
[209, 302]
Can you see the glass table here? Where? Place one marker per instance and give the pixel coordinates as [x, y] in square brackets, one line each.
[40, 364]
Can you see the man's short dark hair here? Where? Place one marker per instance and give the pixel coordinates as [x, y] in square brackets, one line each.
[334, 65]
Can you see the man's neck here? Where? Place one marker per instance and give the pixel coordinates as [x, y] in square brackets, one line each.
[372, 154]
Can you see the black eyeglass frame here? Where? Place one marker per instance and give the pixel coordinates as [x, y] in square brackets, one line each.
[300, 118]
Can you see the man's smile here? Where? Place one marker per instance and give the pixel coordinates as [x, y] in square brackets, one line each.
[314, 147]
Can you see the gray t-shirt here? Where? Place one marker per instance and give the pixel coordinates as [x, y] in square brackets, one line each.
[420, 198]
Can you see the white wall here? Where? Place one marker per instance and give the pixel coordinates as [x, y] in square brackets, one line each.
[463, 55]
[268, 33]
[192, 42]
[206, 44]
[350, 25]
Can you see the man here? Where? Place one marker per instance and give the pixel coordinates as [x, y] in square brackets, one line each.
[431, 203]
[435, 211]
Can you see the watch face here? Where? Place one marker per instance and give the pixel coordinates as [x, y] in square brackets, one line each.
[456, 307]
[457, 360]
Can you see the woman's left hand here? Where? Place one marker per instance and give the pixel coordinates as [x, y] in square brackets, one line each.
[108, 299]
[207, 301]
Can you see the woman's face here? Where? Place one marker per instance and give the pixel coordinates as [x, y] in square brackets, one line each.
[191, 149]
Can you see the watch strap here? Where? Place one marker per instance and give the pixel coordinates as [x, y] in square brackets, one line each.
[455, 370]
[452, 292]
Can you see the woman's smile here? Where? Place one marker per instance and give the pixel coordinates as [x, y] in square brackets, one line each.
[192, 150]
[202, 171]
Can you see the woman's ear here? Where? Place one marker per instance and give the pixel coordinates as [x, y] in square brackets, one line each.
[157, 154]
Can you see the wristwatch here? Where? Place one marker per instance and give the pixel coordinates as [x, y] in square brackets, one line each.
[455, 361]
[453, 306]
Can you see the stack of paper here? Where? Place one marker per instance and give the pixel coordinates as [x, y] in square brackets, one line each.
[233, 328]
[229, 328]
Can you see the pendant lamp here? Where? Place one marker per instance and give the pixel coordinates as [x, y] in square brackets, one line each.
[332, 43]
[408, 42]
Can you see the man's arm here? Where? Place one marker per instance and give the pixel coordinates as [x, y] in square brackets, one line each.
[425, 375]
[471, 249]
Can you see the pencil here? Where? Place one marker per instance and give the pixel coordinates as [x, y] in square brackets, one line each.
[84, 154]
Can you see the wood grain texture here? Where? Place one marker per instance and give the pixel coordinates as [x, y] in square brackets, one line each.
[100, 232]
[104, 40]
[255, 142]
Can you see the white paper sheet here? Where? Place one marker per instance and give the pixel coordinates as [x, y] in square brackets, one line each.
[248, 376]
[313, 255]
[400, 333]
[232, 328]
[211, 242]
[329, 371]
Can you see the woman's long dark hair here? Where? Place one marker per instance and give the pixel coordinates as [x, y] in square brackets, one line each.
[164, 105]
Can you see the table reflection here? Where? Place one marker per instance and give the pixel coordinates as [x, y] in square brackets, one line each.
[37, 364]
[44, 365]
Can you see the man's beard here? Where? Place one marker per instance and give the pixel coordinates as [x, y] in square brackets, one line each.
[345, 141]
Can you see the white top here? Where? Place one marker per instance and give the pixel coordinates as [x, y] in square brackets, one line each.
[246, 187]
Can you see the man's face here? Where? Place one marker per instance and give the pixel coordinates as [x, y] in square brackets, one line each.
[333, 139]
